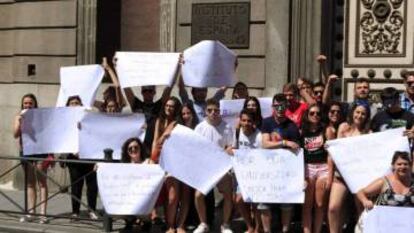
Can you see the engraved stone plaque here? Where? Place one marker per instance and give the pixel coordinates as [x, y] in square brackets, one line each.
[226, 22]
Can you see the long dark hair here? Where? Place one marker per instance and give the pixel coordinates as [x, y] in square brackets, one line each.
[74, 97]
[31, 96]
[106, 102]
[365, 124]
[195, 120]
[258, 112]
[124, 154]
[163, 117]
[239, 84]
[341, 113]
[400, 155]
[306, 124]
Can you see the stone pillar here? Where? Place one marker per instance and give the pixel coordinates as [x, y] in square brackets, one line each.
[167, 25]
[305, 38]
[86, 31]
[277, 46]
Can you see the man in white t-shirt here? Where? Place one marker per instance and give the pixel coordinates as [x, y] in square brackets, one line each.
[219, 132]
[246, 137]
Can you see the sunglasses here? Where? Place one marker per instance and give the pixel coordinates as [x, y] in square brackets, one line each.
[132, 149]
[279, 107]
[314, 113]
[318, 92]
[334, 111]
[213, 110]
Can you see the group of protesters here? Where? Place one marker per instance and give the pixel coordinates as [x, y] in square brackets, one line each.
[303, 116]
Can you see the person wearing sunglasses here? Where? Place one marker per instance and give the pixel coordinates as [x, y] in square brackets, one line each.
[133, 151]
[393, 116]
[407, 97]
[278, 131]
[335, 118]
[316, 170]
[219, 132]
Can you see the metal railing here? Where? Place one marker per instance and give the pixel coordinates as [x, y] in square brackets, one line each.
[62, 188]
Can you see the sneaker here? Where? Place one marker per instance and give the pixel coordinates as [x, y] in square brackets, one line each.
[26, 218]
[202, 228]
[93, 216]
[225, 228]
[43, 220]
[74, 217]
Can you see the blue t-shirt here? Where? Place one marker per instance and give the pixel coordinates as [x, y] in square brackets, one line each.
[286, 130]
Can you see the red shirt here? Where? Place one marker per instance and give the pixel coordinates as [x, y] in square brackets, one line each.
[296, 114]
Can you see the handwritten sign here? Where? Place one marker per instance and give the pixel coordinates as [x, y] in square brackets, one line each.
[51, 130]
[385, 219]
[141, 69]
[270, 176]
[362, 159]
[209, 64]
[129, 189]
[193, 159]
[79, 80]
[95, 135]
[230, 109]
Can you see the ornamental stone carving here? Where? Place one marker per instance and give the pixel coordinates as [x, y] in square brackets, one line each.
[381, 27]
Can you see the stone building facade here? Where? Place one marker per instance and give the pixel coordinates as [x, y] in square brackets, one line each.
[284, 37]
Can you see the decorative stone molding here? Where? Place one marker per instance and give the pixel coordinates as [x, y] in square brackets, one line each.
[167, 25]
[86, 36]
[378, 42]
[381, 27]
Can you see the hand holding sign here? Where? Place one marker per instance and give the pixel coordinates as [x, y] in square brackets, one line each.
[209, 64]
[79, 80]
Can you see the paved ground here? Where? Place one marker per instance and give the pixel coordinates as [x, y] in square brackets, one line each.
[60, 206]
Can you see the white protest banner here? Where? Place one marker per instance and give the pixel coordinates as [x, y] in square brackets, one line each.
[100, 131]
[230, 109]
[270, 176]
[209, 64]
[79, 80]
[142, 68]
[362, 159]
[51, 130]
[385, 219]
[266, 106]
[193, 159]
[129, 189]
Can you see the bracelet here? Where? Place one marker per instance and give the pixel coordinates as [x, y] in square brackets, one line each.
[283, 143]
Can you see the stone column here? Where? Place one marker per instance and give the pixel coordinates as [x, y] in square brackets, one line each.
[167, 25]
[305, 38]
[277, 46]
[86, 31]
